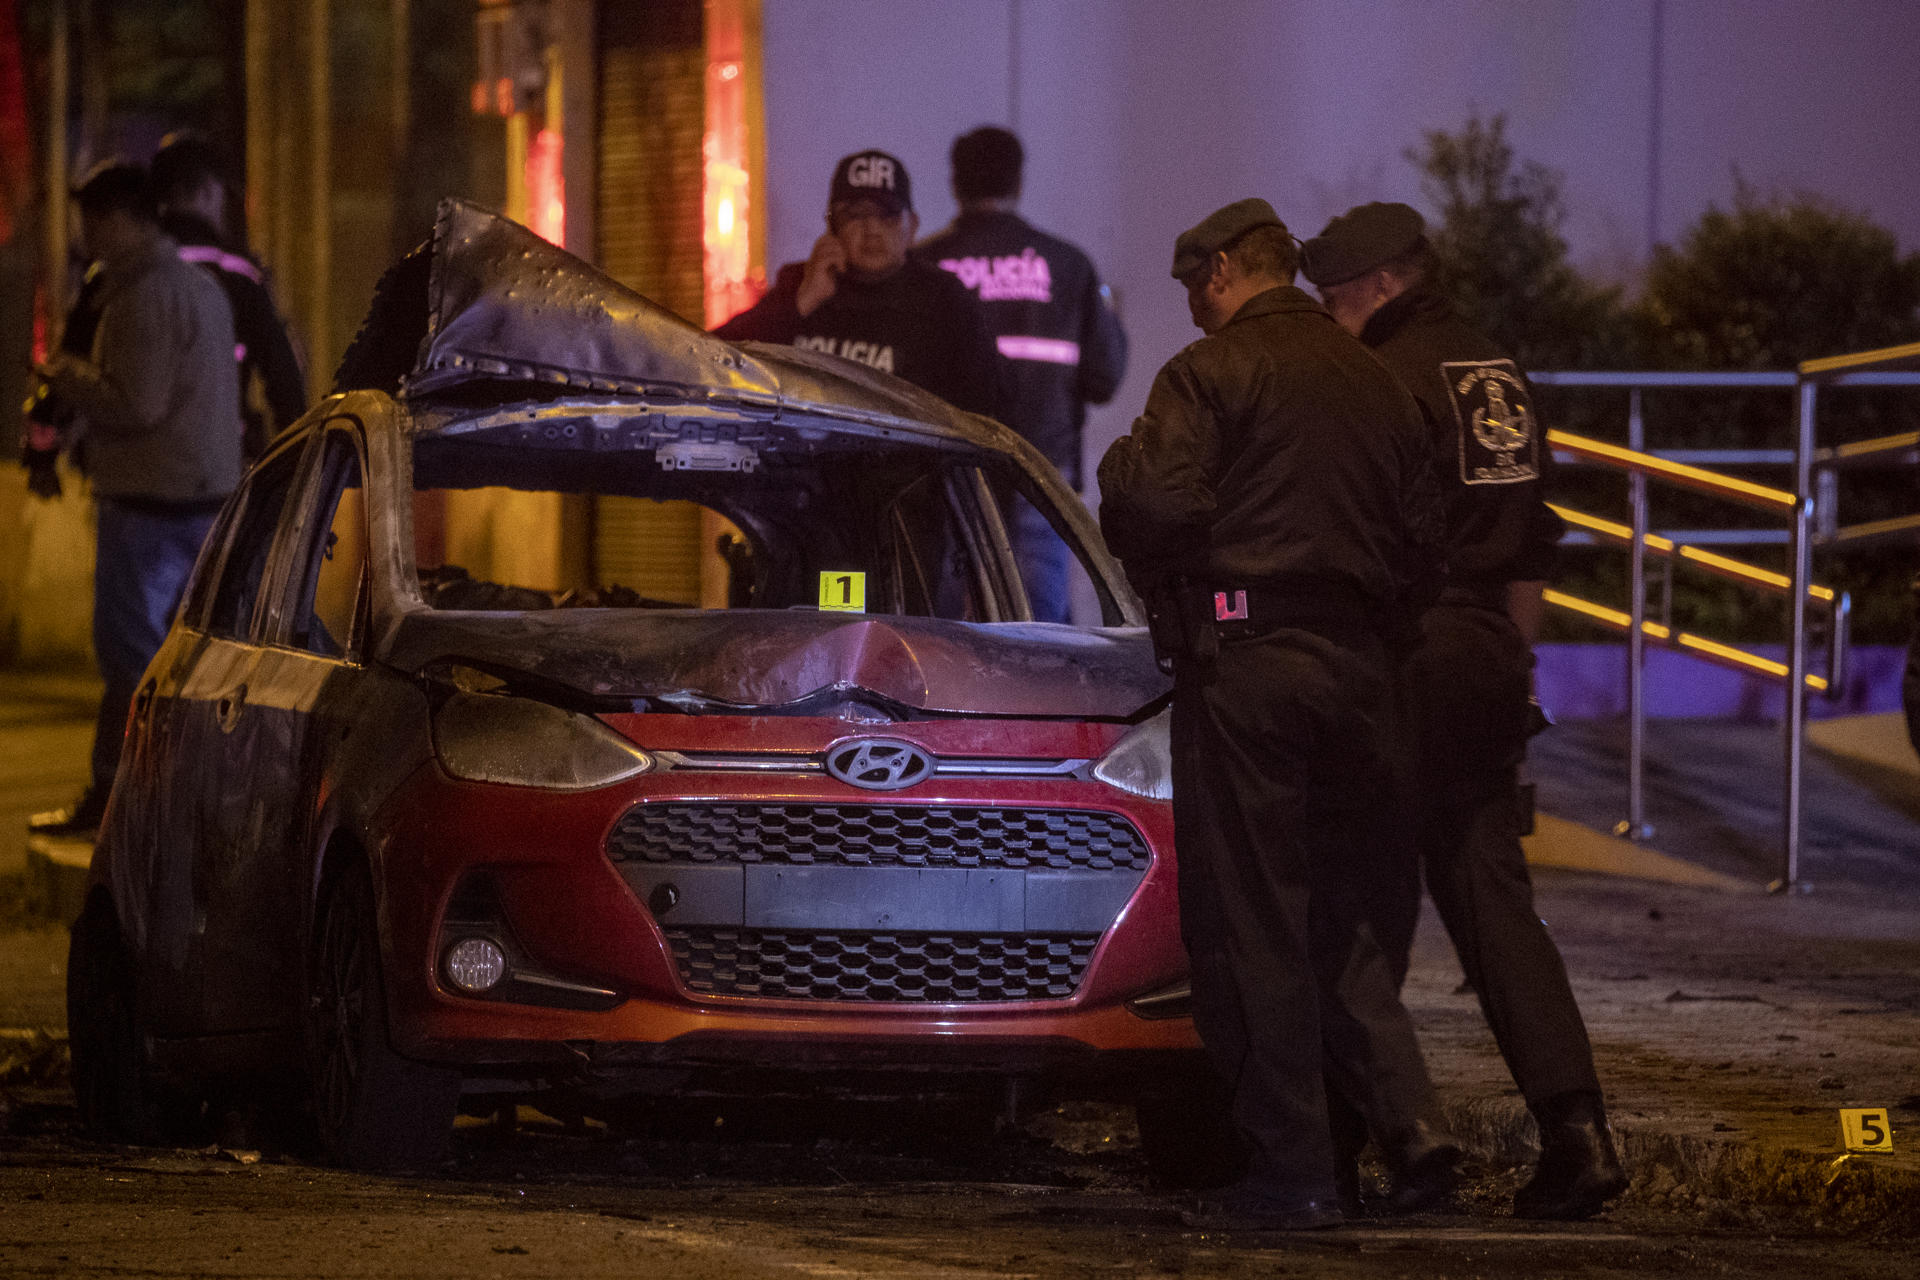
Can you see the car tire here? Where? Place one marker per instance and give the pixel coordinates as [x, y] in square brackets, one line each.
[372, 1108]
[119, 1095]
[1188, 1137]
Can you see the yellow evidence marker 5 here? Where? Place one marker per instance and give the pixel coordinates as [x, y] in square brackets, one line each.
[1865, 1129]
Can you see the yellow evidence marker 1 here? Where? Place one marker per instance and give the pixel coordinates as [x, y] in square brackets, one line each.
[843, 590]
[1865, 1129]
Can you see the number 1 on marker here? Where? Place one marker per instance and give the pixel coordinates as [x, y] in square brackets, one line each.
[843, 590]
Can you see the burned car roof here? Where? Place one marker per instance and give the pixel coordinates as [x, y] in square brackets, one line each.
[493, 335]
[488, 301]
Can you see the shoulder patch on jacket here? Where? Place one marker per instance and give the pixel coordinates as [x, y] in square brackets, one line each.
[1493, 412]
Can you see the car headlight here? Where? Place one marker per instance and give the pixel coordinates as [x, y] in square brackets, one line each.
[1142, 762]
[521, 743]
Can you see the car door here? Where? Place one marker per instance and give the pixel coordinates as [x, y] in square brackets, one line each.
[310, 628]
[210, 732]
[153, 823]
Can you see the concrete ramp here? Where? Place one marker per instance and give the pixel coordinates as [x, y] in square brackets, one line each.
[1875, 751]
[1569, 846]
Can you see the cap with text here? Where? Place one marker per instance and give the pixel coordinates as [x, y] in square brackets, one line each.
[1220, 229]
[1361, 239]
[871, 175]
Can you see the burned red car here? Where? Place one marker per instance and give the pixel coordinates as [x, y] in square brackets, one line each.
[430, 794]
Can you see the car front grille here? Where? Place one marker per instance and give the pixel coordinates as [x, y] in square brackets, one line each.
[922, 968]
[878, 835]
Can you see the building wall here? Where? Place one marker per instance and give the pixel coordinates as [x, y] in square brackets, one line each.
[1141, 116]
[653, 64]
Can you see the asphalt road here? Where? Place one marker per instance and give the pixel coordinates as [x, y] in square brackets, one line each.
[1728, 1027]
[545, 1203]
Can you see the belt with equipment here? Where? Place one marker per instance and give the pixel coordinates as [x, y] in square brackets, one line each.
[1190, 621]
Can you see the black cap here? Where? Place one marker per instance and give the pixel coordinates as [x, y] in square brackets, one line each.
[116, 185]
[1362, 238]
[1220, 229]
[186, 159]
[871, 175]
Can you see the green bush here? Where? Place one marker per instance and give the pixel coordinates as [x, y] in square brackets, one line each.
[1765, 285]
[1772, 282]
[1503, 259]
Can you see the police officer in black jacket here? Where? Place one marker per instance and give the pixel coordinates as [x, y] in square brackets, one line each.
[1271, 505]
[859, 296]
[1468, 684]
[1059, 340]
[189, 179]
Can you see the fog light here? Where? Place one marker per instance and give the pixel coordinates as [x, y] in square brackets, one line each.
[475, 964]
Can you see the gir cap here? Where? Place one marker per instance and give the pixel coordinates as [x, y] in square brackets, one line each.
[871, 175]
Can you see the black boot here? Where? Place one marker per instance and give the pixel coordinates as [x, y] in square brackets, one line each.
[1349, 1140]
[1579, 1170]
[1425, 1166]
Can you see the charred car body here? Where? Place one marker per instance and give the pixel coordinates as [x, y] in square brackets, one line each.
[399, 829]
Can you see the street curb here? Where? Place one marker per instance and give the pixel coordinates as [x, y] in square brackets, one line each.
[1729, 1183]
[56, 887]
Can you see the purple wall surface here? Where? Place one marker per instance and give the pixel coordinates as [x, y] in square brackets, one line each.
[1141, 116]
[1589, 682]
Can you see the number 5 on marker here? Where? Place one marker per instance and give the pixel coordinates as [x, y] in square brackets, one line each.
[1866, 1129]
[844, 591]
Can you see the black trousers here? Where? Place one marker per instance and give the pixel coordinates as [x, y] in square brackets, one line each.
[1466, 688]
[1282, 796]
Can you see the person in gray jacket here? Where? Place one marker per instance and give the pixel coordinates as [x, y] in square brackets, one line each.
[158, 406]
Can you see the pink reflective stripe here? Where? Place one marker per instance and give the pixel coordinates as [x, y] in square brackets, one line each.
[205, 253]
[1051, 350]
[239, 353]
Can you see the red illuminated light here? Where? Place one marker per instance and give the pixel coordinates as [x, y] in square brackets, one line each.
[546, 188]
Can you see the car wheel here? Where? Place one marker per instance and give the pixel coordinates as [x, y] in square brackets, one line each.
[119, 1094]
[372, 1108]
[1188, 1137]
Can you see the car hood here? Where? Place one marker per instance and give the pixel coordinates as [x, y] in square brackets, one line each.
[767, 660]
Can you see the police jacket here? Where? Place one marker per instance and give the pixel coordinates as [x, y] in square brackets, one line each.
[1279, 451]
[1493, 456]
[1059, 342]
[262, 346]
[918, 324]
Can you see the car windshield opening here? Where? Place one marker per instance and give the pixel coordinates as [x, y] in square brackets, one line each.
[557, 512]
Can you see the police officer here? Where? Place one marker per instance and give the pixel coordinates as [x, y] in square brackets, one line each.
[158, 404]
[1468, 683]
[1059, 340]
[189, 180]
[1267, 504]
[859, 296]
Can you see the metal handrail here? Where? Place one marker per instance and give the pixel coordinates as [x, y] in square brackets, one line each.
[1699, 479]
[1859, 451]
[1887, 367]
[1832, 369]
[1711, 561]
[1725, 655]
